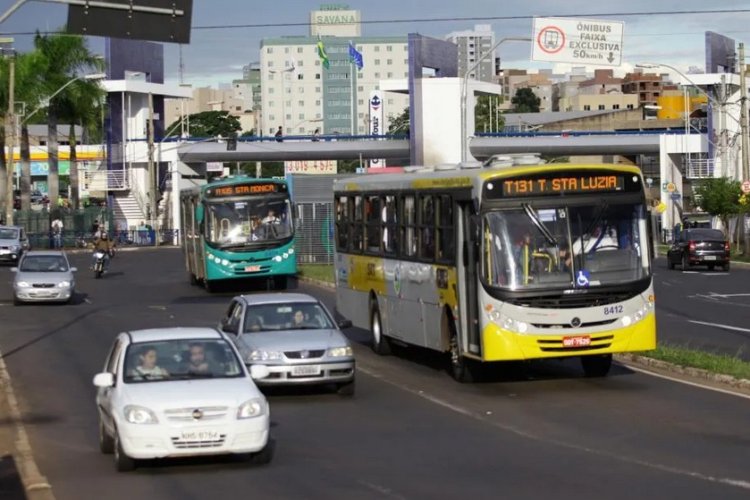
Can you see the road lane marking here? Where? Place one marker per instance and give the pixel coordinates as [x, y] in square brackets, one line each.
[719, 325]
[738, 483]
[686, 382]
[30, 475]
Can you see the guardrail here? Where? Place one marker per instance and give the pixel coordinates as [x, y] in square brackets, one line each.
[121, 238]
[584, 133]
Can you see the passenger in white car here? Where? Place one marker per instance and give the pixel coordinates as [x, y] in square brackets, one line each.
[147, 368]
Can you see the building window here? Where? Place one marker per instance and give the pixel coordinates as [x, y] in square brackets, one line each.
[390, 75]
[238, 108]
[317, 102]
[602, 106]
[389, 48]
[361, 102]
[406, 74]
[317, 62]
[377, 62]
[269, 50]
[270, 64]
[317, 76]
[377, 48]
[272, 118]
[286, 50]
[361, 115]
[299, 50]
[360, 89]
[630, 106]
[390, 101]
[271, 76]
[389, 62]
[271, 104]
[300, 103]
[406, 61]
[615, 106]
[586, 107]
[301, 116]
[377, 75]
[299, 77]
[360, 75]
[317, 89]
[288, 116]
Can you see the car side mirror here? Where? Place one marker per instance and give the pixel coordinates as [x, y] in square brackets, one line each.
[14, 269]
[345, 323]
[104, 380]
[228, 327]
[258, 372]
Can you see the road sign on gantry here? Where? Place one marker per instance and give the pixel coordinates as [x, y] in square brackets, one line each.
[577, 41]
[154, 20]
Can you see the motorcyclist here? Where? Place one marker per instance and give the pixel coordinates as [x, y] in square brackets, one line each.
[103, 243]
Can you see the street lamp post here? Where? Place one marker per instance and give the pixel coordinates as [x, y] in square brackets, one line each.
[464, 92]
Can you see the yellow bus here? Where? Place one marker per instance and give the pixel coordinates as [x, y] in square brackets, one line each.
[499, 262]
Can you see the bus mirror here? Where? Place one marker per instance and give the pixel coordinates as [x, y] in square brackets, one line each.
[199, 214]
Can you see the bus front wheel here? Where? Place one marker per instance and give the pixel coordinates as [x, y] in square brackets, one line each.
[279, 282]
[380, 343]
[462, 369]
[597, 365]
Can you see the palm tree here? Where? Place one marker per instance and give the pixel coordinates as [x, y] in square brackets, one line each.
[80, 106]
[64, 57]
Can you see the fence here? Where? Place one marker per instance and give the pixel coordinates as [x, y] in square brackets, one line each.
[314, 233]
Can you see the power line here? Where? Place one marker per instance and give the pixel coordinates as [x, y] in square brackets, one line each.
[452, 19]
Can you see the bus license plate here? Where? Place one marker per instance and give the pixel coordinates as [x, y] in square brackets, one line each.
[580, 341]
[305, 371]
[250, 269]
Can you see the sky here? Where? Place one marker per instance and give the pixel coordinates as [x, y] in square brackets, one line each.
[217, 56]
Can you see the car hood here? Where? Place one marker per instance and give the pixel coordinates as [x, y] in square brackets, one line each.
[294, 340]
[9, 243]
[36, 277]
[160, 396]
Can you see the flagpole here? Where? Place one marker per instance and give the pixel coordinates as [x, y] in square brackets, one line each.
[354, 106]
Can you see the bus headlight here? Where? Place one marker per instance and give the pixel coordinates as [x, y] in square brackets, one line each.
[224, 262]
[277, 258]
[285, 255]
[291, 251]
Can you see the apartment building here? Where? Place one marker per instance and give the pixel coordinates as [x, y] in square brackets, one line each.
[472, 46]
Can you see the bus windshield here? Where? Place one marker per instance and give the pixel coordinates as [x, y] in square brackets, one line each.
[248, 222]
[563, 247]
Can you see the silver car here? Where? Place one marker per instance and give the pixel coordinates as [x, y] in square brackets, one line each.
[295, 336]
[13, 243]
[44, 276]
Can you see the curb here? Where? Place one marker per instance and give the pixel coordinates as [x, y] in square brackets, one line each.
[34, 483]
[739, 384]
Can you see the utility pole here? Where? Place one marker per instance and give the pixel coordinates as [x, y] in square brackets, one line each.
[745, 141]
[11, 140]
[152, 175]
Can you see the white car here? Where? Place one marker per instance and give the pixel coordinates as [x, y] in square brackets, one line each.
[175, 392]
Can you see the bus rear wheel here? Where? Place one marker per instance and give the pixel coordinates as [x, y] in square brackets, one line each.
[597, 365]
[380, 343]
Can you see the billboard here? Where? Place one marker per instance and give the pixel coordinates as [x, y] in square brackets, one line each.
[376, 122]
[310, 167]
[335, 20]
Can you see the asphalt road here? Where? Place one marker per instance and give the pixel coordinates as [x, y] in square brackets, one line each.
[701, 309]
[409, 433]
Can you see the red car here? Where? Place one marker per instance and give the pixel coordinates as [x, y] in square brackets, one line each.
[699, 247]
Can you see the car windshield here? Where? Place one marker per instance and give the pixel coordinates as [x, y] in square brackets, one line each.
[180, 360]
[8, 234]
[287, 316]
[248, 222]
[531, 248]
[44, 264]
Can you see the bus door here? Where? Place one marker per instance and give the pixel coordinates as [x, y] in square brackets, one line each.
[468, 280]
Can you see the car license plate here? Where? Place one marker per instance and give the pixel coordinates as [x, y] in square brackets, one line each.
[4, 252]
[709, 257]
[199, 436]
[305, 371]
[250, 269]
[579, 341]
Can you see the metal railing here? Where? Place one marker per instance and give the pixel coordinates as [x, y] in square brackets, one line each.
[698, 168]
[106, 180]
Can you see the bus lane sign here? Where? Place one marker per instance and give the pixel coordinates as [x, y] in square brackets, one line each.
[577, 41]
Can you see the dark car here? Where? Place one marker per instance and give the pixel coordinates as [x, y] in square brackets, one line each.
[699, 246]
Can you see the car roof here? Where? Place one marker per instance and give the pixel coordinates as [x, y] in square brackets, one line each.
[173, 333]
[11, 227]
[45, 253]
[276, 298]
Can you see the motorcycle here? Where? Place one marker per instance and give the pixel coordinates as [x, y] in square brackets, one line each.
[100, 258]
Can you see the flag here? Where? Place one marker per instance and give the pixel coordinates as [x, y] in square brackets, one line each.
[322, 54]
[355, 56]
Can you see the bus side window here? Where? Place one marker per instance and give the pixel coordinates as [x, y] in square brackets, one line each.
[427, 228]
[390, 227]
[409, 219]
[342, 223]
[358, 226]
[373, 207]
[445, 231]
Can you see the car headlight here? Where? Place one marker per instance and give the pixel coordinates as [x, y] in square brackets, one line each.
[340, 352]
[22, 284]
[262, 355]
[64, 284]
[252, 408]
[140, 415]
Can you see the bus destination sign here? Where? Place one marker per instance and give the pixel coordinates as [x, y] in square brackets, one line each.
[245, 189]
[565, 184]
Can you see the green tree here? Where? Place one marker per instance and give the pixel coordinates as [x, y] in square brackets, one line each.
[486, 115]
[63, 57]
[720, 197]
[210, 124]
[525, 101]
[399, 125]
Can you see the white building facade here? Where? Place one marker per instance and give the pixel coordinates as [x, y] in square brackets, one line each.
[472, 45]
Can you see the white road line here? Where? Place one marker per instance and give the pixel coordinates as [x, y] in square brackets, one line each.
[685, 382]
[29, 472]
[739, 483]
[719, 325]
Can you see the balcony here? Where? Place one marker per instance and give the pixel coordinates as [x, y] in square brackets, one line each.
[698, 168]
[106, 180]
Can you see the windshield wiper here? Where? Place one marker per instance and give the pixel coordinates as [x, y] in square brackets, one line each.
[539, 224]
[603, 206]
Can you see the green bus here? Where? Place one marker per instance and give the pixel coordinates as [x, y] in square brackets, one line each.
[238, 228]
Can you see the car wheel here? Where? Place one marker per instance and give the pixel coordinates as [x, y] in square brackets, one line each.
[106, 443]
[346, 388]
[380, 343]
[264, 456]
[597, 365]
[685, 262]
[123, 463]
